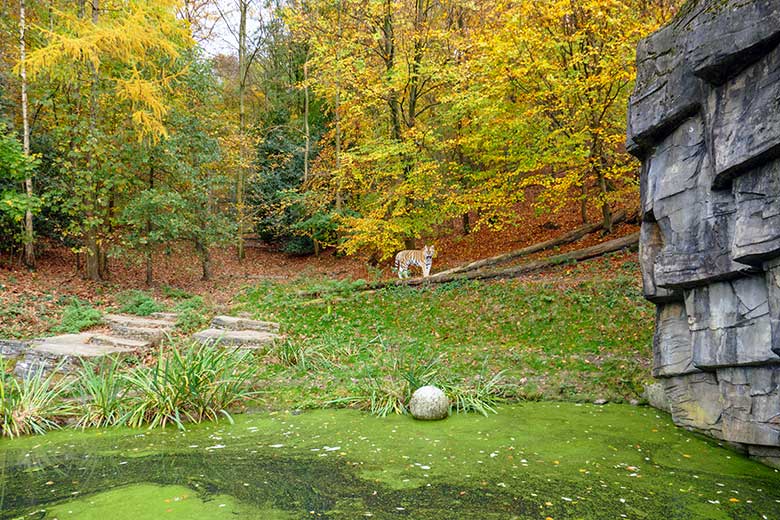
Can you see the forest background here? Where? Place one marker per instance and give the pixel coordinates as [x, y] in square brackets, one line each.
[362, 126]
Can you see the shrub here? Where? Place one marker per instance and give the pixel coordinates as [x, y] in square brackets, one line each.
[33, 405]
[139, 303]
[77, 316]
[192, 314]
[175, 293]
[188, 385]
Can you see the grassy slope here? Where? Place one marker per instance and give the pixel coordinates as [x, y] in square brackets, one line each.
[574, 340]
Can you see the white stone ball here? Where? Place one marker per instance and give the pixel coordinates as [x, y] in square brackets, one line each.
[429, 403]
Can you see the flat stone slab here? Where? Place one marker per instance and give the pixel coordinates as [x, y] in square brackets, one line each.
[69, 349]
[140, 328]
[81, 345]
[138, 321]
[236, 338]
[171, 316]
[151, 334]
[114, 341]
[235, 323]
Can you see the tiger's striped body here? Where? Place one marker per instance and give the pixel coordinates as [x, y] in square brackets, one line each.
[414, 257]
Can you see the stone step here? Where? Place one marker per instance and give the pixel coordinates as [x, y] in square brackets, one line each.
[152, 335]
[115, 341]
[170, 316]
[124, 320]
[236, 338]
[68, 350]
[236, 323]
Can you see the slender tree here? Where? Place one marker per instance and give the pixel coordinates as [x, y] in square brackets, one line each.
[29, 244]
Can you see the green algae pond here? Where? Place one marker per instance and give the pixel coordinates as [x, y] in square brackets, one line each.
[534, 460]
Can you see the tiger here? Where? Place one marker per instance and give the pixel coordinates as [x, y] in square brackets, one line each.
[420, 258]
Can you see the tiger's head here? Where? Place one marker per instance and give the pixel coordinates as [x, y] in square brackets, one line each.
[429, 252]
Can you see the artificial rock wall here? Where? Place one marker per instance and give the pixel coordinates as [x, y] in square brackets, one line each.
[704, 120]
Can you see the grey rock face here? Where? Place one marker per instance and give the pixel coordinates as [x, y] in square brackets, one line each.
[429, 403]
[705, 121]
[656, 397]
[11, 348]
[672, 343]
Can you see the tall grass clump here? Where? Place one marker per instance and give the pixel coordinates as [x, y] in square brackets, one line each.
[77, 316]
[138, 303]
[101, 392]
[304, 356]
[189, 385]
[33, 405]
[387, 389]
[390, 387]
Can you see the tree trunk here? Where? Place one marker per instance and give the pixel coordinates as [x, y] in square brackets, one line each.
[149, 270]
[606, 212]
[103, 262]
[29, 244]
[567, 238]
[339, 189]
[149, 264]
[205, 260]
[409, 243]
[584, 203]
[93, 259]
[627, 242]
[93, 253]
[242, 73]
[306, 129]
[388, 54]
[466, 223]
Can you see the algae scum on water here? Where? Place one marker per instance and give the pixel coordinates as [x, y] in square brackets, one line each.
[536, 461]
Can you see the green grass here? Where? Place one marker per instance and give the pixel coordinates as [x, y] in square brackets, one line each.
[580, 341]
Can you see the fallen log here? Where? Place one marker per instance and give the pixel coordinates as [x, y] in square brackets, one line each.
[626, 242]
[571, 236]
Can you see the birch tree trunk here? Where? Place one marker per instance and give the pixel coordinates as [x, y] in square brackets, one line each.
[306, 130]
[242, 77]
[29, 245]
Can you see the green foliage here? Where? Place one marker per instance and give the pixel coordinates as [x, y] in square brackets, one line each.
[190, 384]
[101, 392]
[139, 303]
[193, 314]
[15, 166]
[33, 405]
[77, 316]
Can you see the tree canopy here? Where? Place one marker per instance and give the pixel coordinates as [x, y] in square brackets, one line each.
[360, 125]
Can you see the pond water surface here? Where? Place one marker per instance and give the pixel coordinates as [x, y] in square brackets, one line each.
[536, 460]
